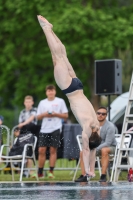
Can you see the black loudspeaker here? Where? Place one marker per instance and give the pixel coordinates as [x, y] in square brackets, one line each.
[108, 77]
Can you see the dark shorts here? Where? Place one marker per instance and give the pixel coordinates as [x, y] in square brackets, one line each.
[49, 139]
[76, 84]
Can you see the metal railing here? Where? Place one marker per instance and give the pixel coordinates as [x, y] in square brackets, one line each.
[5, 139]
[61, 164]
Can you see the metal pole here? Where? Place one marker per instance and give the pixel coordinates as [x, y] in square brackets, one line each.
[109, 107]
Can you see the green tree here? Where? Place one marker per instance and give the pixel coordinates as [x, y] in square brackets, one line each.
[90, 31]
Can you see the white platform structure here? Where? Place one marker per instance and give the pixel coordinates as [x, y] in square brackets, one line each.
[128, 120]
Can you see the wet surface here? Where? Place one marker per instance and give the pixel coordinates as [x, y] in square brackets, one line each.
[63, 191]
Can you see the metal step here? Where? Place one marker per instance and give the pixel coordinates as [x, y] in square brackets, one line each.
[124, 166]
[129, 121]
[130, 115]
[125, 149]
[127, 132]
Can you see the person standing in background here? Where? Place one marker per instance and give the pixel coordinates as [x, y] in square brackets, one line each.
[51, 111]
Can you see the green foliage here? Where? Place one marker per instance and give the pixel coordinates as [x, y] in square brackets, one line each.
[90, 31]
[10, 117]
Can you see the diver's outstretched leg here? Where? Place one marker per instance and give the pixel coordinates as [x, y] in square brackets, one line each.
[53, 44]
[61, 72]
[70, 68]
[45, 26]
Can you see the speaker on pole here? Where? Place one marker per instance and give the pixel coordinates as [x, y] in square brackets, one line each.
[108, 77]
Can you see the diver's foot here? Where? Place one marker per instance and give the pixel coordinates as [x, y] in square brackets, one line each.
[44, 22]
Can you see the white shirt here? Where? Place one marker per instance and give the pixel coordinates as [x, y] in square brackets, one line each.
[51, 124]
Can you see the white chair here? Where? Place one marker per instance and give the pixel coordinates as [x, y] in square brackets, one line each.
[4, 136]
[112, 158]
[20, 159]
[126, 144]
[4, 131]
[79, 140]
[12, 136]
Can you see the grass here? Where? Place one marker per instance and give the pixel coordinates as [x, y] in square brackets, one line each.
[62, 175]
[59, 176]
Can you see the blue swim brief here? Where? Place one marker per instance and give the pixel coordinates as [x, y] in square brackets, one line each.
[76, 84]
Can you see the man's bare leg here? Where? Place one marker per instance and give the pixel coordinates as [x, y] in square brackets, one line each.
[53, 156]
[70, 68]
[42, 156]
[82, 164]
[105, 159]
[61, 73]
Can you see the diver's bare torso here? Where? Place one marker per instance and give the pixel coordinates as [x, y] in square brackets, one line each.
[82, 109]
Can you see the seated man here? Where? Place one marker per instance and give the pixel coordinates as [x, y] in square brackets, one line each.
[107, 146]
[28, 115]
[25, 130]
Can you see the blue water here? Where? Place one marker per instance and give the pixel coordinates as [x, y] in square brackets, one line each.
[63, 191]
